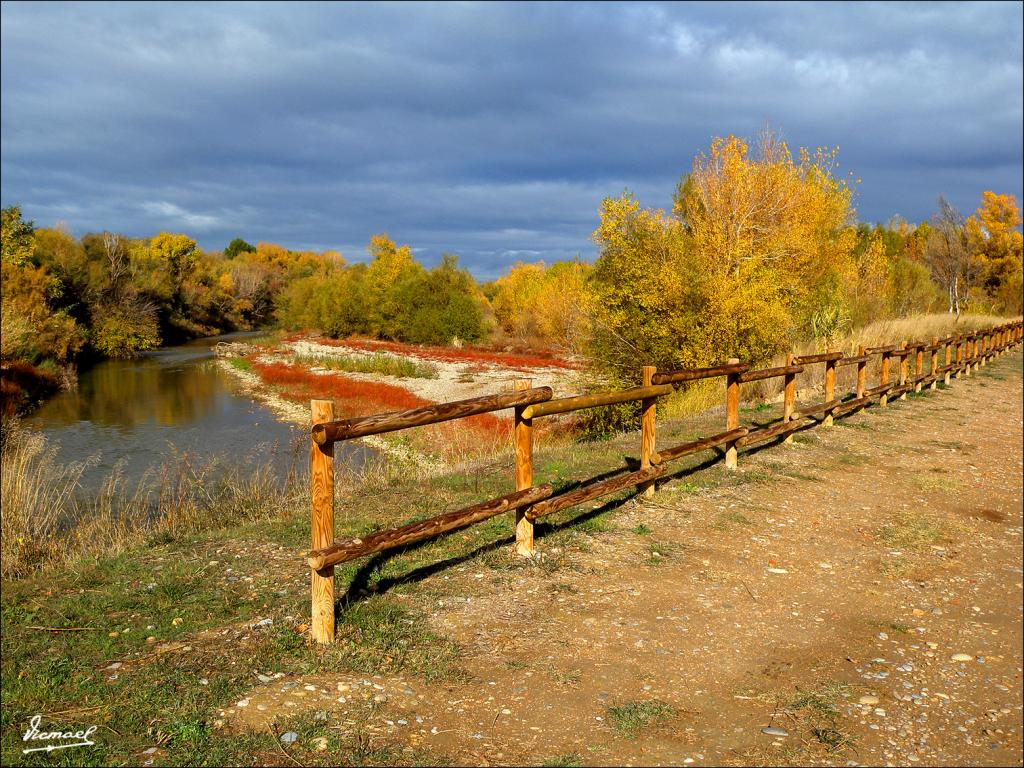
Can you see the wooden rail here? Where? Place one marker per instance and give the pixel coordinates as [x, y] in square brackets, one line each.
[962, 354]
[332, 431]
[567, 404]
[326, 557]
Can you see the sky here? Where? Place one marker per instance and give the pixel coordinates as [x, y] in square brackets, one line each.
[487, 130]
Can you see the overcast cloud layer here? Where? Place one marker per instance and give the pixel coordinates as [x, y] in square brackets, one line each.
[492, 131]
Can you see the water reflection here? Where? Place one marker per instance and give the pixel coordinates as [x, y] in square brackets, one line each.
[146, 413]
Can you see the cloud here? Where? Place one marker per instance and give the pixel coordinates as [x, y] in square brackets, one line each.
[172, 213]
[488, 130]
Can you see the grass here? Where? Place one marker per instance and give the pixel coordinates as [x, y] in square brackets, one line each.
[912, 531]
[659, 552]
[240, 363]
[818, 710]
[202, 619]
[458, 354]
[45, 523]
[377, 363]
[724, 519]
[631, 718]
[570, 760]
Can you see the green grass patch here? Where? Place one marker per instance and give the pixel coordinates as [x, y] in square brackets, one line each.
[724, 519]
[911, 531]
[631, 718]
[240, 364]
[379, 363]
[570, 760]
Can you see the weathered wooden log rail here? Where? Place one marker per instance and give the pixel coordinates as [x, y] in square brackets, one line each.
[962, 354]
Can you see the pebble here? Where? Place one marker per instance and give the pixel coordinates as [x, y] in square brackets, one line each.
[320, 743]
[775, 731]
[289, 738]
[264, 678]
[962, 657]
[176, 621]
[869, 700]
[263, 623]
[777, 570]
[242, 703]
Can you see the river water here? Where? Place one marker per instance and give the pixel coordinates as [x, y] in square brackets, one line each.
[174, 404]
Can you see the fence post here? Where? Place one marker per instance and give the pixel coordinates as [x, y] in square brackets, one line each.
[959, 355]
[949, 360]
[732, 412]
[918, 366]
[862, 372]
[321, 480]
[883, 379]
[986, 347]
[648, 426]
[904, 370]
[524, 471]
[968, 355]
[789, 398]
[830, 390]
[935, 364]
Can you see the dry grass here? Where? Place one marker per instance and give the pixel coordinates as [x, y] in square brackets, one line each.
[46, 522]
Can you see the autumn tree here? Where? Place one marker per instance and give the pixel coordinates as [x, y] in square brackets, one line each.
[390, 265]
[773, 236]
[948, 255]
[16, 237]
[993, 237]
[534, 303]
[237, 246]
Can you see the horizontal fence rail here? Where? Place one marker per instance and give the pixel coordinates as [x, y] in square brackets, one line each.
[957, 355]
[346, 429]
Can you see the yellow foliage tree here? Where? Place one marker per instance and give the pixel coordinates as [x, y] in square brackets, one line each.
[996, 242]
[390, 265]
[543, 305]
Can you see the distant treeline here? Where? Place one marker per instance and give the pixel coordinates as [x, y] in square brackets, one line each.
[761, 250]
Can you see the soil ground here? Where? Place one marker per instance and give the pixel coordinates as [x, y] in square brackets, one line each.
[859, 592]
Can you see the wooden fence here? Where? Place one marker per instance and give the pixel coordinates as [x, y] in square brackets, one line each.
[960, 355]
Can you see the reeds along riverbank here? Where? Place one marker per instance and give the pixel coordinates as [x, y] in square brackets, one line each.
[46, 522]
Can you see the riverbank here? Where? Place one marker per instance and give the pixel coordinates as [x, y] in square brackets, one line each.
[364, 377]
[193, 649]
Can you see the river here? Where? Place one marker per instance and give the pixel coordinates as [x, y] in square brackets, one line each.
[143, 416]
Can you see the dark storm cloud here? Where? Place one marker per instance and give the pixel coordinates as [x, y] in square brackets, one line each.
[493, 131]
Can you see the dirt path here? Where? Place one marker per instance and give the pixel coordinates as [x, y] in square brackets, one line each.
[823, 592]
